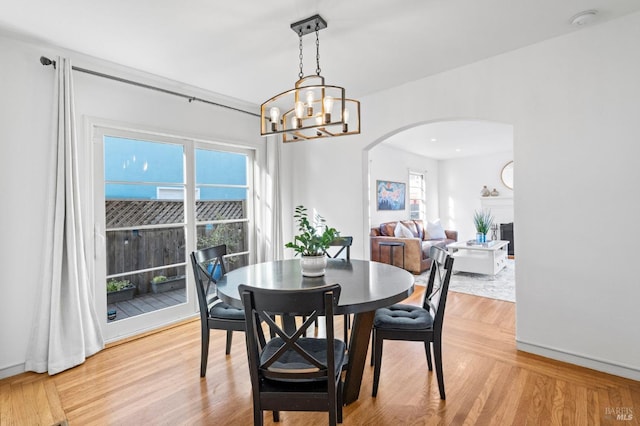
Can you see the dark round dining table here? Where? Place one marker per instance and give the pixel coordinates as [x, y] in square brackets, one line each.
[366, 286]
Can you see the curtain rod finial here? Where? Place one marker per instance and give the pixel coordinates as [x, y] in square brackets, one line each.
[46, 61]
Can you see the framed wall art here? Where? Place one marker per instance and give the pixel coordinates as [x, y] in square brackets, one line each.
[390, 195]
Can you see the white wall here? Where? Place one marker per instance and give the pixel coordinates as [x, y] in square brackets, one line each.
[388, 163]
[460, 183]
[574, 102]
[336, 195]
[25, 146]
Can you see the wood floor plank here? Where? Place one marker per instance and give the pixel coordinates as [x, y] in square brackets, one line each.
[472, 415]
[581, 414]
[511, 396]
[557, 408]
[155, 380]
[6, 413]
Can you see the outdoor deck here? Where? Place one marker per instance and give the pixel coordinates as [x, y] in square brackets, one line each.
[147, 303]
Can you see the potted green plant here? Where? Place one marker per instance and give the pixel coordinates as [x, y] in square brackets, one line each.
[161, 283]
[119, 290]
[482, 220]
[311, 242]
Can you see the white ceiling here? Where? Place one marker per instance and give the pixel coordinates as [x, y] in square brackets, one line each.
[455, 139]
[246, 49]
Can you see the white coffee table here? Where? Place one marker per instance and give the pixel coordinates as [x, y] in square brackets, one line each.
[489, 258]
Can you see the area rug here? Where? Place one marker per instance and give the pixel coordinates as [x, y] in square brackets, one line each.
[501, 287]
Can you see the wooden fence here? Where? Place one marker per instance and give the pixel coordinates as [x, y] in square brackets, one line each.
[136, 249]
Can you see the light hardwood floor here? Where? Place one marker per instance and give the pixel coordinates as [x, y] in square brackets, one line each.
[155, 380]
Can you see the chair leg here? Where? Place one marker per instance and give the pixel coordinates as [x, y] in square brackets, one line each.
[204, 354]
[229, 338]
[427, 348]
[377, 343]
[373, 346]
[333, 415]
[340, 400]
[257, 417]
[334, 402]
[437, 354]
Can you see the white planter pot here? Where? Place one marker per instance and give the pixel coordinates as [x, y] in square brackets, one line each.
[313, 266]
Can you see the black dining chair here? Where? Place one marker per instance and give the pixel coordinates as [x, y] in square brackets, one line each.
[415, 323]
[344, 244]
[292, 372]
[208, 264]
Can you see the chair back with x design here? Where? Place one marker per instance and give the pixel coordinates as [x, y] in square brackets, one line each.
[292, 372]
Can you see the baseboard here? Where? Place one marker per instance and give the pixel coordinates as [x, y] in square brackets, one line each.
[581, 360]
[11, 371]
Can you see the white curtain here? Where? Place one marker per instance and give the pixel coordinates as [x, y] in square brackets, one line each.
[66, 329]
[273, 209]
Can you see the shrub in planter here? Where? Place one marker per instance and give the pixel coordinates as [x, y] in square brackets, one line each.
[160, 283]
[119, 290]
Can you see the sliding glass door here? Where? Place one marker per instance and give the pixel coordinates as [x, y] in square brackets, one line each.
[157, 199]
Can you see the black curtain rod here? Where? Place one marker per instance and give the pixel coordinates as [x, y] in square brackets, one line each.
[46, 61]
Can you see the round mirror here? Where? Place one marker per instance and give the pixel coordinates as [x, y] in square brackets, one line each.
[507, 175]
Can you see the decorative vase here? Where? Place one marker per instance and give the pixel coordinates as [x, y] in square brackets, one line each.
[313, 266]
[481, 238]
[485, 191]
[494, 193]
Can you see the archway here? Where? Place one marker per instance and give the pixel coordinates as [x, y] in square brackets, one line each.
[457, 158]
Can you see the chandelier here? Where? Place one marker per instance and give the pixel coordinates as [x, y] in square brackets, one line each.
[313, 109]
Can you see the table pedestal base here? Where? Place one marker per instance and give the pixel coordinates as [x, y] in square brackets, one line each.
[360, 335]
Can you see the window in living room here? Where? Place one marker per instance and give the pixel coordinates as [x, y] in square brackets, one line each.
[417, 195]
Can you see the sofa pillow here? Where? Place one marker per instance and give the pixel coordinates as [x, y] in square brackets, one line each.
[435, 230]
[411, 226]
[420, 228]
[387, 229]
[402, 231]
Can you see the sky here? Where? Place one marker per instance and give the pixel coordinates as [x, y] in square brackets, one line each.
[146, 170]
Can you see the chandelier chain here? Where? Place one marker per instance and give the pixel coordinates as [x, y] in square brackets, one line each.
[317, 49]
[301, 73]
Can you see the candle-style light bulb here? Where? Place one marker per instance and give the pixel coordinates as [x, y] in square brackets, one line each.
[328, 106]
[274, 112]
[310, 99]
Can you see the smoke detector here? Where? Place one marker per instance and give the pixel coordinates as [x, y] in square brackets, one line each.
[583, 18]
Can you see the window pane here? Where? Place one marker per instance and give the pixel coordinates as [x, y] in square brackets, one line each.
[221, 209]
[133, 250]
[417, 196]
[129, 160]
[142, 295]
[234, 235]
[144, 192]
[127, 213]
[222, 168]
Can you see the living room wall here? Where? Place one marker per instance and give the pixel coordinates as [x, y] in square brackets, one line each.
[573, 102]
[461, 180]
[388, 163]
[453, 186]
